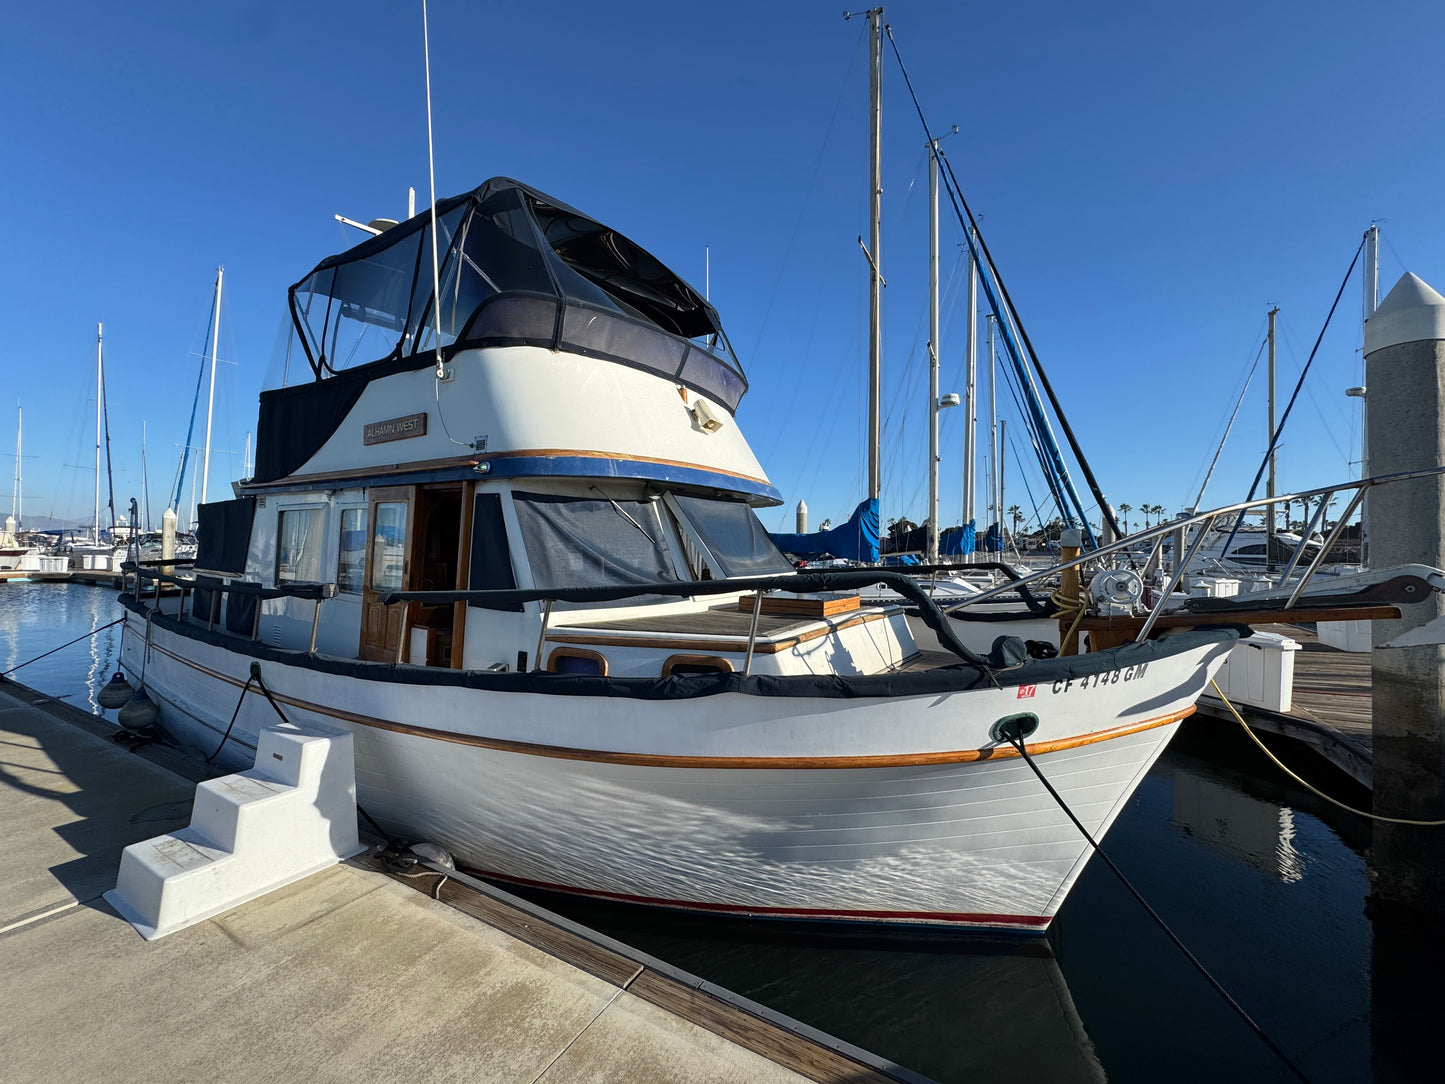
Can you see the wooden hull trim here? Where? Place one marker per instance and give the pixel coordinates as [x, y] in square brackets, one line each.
[1001, 751]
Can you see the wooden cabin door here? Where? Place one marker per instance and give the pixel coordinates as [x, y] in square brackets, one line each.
[388, 568]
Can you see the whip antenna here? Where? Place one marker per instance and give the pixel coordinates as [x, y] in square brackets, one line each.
[436, 288]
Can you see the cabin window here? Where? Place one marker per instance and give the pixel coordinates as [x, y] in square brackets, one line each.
[388, 546]
[1250, 549]
[351, 562]
[586, 542]
[298, 548]
[737, 543]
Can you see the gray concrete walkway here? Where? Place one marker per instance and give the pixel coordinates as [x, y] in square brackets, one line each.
[345, 976]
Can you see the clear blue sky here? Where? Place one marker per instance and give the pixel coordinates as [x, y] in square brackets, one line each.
[1151, 178]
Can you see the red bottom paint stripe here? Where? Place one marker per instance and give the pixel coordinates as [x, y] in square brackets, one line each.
[942, 918]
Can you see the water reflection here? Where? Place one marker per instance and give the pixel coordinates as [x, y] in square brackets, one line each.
[36, 617]
[950, 1007]
[1260, 833]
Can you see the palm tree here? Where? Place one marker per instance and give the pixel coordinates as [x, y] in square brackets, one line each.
[1015, 515]
[1125, 509]
[1158, 511]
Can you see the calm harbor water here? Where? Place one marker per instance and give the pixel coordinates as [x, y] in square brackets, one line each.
[1263, 881]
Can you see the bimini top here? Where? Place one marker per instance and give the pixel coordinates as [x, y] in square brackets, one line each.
[516, 267]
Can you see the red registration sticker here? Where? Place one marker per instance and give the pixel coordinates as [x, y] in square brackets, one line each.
[1026, 691]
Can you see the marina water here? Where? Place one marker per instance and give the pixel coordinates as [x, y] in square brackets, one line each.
[1263, 881]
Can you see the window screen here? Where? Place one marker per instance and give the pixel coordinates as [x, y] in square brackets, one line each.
[736, 538]
[582, 542]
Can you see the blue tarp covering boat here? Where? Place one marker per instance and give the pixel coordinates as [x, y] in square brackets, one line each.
[856, 540]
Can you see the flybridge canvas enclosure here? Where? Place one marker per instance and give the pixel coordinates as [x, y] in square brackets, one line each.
[516, 267]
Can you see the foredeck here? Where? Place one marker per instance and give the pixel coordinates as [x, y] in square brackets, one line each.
[722, 628]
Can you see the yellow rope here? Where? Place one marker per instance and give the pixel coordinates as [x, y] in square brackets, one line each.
[1066, 606]
[1349, 809]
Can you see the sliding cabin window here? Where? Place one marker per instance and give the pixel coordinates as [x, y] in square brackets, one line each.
[587, 542]
[351, 550]
[736, 542]
[298, 546]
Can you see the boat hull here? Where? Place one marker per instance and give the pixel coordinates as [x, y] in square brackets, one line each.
[900, 810]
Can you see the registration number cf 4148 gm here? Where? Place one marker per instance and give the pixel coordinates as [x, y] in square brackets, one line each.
[1094, 681]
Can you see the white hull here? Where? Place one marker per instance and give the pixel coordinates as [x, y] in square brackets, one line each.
[899, 809]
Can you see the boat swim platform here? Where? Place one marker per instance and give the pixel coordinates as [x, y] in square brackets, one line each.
[1330, 710]
[350, 974]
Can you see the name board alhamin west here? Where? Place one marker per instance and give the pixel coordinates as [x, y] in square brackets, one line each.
[412, 425]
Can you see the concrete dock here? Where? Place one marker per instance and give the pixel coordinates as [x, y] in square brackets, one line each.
[348, 975]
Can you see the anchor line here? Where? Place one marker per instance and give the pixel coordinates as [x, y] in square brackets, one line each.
[1014, 736]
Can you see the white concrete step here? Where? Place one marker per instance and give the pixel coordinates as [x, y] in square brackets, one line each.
[291, 815]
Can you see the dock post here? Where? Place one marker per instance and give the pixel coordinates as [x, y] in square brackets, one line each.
[1405, 372]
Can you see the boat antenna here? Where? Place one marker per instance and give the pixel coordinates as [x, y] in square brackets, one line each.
[436, 287]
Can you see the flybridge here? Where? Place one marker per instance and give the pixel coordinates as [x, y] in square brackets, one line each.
[517, 267]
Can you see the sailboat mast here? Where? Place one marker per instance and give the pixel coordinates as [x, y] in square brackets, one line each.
[1371, 302]
[995, 481]
[15, 492]
[145, 481]
[933, 351]
[99, 378]
[970, 405]
[211, 401]
[1269, 490]
[875, 255]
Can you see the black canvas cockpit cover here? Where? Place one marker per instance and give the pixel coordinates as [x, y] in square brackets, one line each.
[223, 535]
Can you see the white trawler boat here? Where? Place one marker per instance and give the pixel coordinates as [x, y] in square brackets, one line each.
[510, 546]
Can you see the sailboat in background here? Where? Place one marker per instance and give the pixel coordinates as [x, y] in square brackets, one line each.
[103, 551]
[13, 551]
[861, 540]
[213, 332]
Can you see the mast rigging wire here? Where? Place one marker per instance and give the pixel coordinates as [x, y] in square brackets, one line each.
[1274, 437]
[955, 195]
[1198, 500]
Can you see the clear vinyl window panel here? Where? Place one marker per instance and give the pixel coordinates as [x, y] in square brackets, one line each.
[298, 547]
[351, 550]
[734, 537]
[388, 546]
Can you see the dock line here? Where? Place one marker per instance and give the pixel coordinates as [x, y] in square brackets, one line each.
[1310, 786]
[63, 646]
[1011, 730]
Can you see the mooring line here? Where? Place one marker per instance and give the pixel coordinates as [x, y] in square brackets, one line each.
[1310, 786]
[1012, 733]
[63, 646]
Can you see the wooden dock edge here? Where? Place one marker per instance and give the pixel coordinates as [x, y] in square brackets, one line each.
[781, 1039]
[1352, 758]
